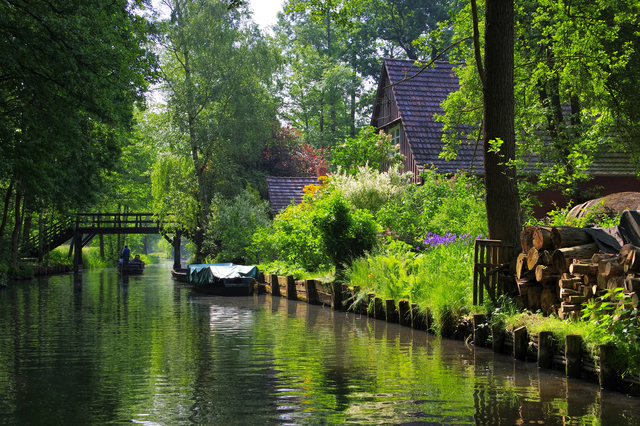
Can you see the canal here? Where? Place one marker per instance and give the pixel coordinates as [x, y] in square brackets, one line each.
[94, 350]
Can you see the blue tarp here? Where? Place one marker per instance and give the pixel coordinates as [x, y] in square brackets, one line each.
[207, 273]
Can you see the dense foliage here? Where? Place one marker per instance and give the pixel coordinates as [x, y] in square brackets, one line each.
[367, 148]
[437, 277]
[70, 75]
[441, 204]
[323, 231]
[217, 73]
[232, 225]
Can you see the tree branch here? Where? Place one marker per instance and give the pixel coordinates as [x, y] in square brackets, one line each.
[427, 65]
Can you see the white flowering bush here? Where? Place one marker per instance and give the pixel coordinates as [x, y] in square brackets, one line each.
[370, 189]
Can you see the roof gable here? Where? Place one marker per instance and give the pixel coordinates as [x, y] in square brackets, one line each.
[415, 101]
[418, 98]
[287, 190]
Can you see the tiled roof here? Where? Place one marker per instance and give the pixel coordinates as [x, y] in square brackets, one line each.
[418, 100]
[287, 190]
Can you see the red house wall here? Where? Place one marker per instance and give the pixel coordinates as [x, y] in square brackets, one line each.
[608, 184]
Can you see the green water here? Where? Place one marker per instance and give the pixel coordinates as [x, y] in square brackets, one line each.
[92, 350]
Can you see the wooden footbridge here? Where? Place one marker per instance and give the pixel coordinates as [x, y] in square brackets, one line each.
[82, 227]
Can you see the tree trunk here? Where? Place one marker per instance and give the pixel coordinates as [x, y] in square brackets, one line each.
[502, 201]
[5, 211]
[15, 235]
[26, 227]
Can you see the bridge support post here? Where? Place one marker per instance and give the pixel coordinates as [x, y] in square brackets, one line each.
[177, 241]
[77, 247]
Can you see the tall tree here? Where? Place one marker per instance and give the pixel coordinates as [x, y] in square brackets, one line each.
[502, 202]
[409, 23]
[70, 73]
[571, 61]
[322, 84]
[217, 71]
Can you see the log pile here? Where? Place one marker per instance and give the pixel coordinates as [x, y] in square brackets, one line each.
[561, 268]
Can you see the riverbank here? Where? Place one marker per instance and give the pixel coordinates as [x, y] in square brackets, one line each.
[568, 354]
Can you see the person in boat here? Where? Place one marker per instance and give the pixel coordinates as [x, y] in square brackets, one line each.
[124, 255]
[137, 261]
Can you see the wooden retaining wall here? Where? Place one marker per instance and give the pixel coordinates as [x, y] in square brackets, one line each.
[572, 357]
[50, 270]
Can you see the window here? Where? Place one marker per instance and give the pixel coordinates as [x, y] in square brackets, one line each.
[395, 135]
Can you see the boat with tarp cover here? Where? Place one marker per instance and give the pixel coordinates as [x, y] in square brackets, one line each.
[223, 279]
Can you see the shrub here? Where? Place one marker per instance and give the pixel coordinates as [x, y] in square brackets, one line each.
[438, 277]
[324, 230]
[370, 189]
[368, 147]
[441, 204]
[291, 238]
[231, 226]
[344, 234]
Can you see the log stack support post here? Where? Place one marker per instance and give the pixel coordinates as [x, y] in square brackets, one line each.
[545, 349]
[608, 375]
[391, 312]
[336, 296]
[272, 279]
[378, 309]
[290, 283]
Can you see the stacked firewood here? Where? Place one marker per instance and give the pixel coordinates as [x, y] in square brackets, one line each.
[561, 268]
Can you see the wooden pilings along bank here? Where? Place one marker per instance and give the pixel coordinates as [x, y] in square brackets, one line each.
[51, 270]
[572, 357]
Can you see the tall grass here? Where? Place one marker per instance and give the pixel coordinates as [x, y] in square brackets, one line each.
[436, 276]
[58, 256]
[91, 259]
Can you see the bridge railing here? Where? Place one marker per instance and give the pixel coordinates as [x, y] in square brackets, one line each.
[115, 220]
[89, 223]
[50, 233]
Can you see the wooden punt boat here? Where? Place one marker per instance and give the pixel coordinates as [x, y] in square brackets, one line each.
[180, 274]
[131, 268]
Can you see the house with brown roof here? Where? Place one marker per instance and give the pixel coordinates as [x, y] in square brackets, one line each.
[405, 107]
[287, 190]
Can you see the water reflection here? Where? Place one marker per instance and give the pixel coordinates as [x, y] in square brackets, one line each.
[97, 348]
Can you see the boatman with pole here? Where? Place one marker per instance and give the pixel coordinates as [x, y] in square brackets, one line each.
[125, 255]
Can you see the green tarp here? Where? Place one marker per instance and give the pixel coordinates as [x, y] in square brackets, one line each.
[207, 273]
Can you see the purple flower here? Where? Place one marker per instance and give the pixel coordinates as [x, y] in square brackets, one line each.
[432, 240]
